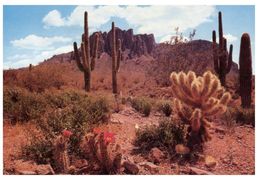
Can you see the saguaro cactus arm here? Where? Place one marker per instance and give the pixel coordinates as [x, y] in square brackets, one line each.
[119, 54]
[95, 50]
[77, 57]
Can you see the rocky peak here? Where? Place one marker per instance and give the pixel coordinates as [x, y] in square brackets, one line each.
[136, 45]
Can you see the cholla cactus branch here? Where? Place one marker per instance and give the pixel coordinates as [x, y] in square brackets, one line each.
[197, 99]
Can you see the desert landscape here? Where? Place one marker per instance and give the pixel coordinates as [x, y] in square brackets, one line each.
[122, 103]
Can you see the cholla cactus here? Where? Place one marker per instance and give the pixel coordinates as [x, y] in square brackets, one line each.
[61, 157]
[102, 151]
[198, 99]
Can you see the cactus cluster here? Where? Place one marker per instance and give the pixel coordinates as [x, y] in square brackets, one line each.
[116, 58]
[222, 58]
[88, 63]
[198, 99]
[245, 71]
[103, 153]
[60, 153]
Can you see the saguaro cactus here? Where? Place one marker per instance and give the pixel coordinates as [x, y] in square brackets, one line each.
[222, 58]
[88, 63]
[245, 71]
[30, 67]
[116, 58]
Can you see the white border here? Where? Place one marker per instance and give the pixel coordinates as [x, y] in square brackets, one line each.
[137, 2]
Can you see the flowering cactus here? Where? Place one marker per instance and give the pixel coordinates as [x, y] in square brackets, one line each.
[101, 149]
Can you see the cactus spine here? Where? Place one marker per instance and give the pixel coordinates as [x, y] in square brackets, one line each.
[116, 58]
[222, 58]
[88, 63]
[245, 71]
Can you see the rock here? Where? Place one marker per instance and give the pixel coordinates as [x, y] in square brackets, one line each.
[80, 163]
[26, 172]
[139, 44]
[131, 167]
[197, 171]
[220, 130]
[156, 155]
[150, 166]
[181, 149]
[44, 170]
[210, 162]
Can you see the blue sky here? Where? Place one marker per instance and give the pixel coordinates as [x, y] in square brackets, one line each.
[35, 33]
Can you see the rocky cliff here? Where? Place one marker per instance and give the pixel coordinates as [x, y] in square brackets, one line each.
[132, 45]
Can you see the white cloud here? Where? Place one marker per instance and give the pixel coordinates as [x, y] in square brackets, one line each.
[159, 20]
[23, 60]
[38, 42]
[230, 38]
[53, 18]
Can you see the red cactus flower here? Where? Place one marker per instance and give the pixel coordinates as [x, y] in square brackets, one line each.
[109, 137]
[66, 133]
[96, 131]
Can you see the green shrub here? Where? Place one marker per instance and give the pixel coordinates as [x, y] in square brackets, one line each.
[165, 107]
[21, 105]
[240, 115]
[164, 136]
[64, 98]
[39, 150]
[142, 105]
[246, 116]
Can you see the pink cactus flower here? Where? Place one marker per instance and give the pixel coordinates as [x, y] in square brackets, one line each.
[96, 131]
[66, 133]
[109, 137]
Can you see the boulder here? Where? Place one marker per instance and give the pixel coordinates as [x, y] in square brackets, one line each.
[150, 166]
[44, 170]
[156, 155]
[210, 162]
[131, 167]
[197, 171]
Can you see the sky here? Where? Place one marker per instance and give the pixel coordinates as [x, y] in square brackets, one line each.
[35, 33]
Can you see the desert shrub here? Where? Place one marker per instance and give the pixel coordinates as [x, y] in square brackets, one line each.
[21, 105]
[229, 118]
[40, 150]
[165, 107]
[64, 98]
[240, 115]
[246, 116]
[142, 105]
[165, 136]
[41, 78]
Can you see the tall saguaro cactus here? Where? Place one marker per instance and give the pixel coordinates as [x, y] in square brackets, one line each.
[116, 58]
[245, 71]
[88, 63]
[222, 58]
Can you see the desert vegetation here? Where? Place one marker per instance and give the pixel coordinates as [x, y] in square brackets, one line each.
[178, 118]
